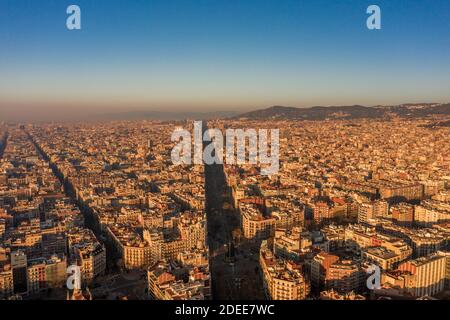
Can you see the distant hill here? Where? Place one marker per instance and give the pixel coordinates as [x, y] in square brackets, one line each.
[347, 112]
[282, 112]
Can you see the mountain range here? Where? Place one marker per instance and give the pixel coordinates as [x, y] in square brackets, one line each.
[410, 110]
[348, 112]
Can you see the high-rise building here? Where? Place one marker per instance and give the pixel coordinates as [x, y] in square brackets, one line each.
[321, 211]
[380, 208]
[19, 272]
[427, 275]
[6, 281]
[394, 191]
[446, 254]
[403, 214]
[345, 276]
[319, 268]
[365, 213]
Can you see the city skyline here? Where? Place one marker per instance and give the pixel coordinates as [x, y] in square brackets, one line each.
[207, 56]
[358, 210]
[225, 155]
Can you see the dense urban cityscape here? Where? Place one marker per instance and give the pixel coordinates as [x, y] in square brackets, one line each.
[225, 159]
[350, 194]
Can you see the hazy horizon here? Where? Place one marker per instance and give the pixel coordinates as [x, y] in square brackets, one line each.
[207, 56]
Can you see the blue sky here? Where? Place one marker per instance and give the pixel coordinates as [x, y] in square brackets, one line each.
[219, 54]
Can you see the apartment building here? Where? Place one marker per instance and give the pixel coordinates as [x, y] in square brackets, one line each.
[283, 279]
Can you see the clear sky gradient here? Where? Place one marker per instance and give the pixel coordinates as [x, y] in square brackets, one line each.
[206, 55]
